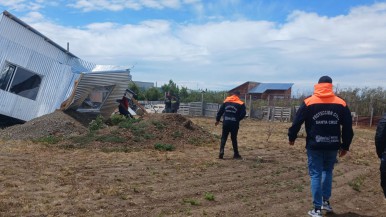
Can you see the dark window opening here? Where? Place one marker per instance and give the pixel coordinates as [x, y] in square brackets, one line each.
[20, 81]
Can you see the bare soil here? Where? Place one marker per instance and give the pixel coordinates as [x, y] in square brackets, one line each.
[42, 179]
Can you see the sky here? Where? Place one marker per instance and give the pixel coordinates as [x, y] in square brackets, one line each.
[220, 44]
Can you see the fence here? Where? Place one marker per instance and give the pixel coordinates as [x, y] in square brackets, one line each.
[284, 110]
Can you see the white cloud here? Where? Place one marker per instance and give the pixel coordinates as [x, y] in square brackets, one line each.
[118, 5]
[220, 55]
[22, 5]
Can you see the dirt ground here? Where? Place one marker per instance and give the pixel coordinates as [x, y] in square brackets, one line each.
[271, 179]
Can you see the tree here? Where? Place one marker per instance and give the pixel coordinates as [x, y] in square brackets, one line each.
[140, 95]
[153, 94]
[171, 88]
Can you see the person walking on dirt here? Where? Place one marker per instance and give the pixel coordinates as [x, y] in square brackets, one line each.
[233, 110]
[380, 145]
[323, 114]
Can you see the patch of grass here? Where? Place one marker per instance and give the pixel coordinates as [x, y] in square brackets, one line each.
[164, 147]
[148, 136]
[125, 149]
[158, 124]
[96, 124]
[192, 202]
[299, 188]
[116, 119]
[209, 196]
[177, 134]
[195, 141]
[357, 183]
[82, 141]
[138, 129]
[128, 123]
[48, 140]
[111, 139]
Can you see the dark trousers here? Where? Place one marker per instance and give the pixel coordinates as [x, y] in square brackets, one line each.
[383, 173]
[233, 130]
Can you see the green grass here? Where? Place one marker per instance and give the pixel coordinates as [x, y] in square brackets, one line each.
[96, 124]
[209, 196]
[177, 134]
[158, 124]
[357, 183]
[48, 140]
[192, 202]
[164, 147]
[111, 139]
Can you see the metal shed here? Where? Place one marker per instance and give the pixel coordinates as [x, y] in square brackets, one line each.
[37, 75]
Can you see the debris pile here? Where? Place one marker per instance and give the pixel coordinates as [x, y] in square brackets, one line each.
[152, 129]
[57, 123]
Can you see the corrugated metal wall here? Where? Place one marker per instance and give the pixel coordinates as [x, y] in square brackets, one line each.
[22, 47]
[119, 80]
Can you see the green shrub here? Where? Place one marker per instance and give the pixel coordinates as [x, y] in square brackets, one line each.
[128, 123]
[117, 119]
[209, 196]
[159, 125]
[96, 124]
[164, 147]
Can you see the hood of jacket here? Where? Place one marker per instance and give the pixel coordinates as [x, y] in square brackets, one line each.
[323, 90]
[234, 99]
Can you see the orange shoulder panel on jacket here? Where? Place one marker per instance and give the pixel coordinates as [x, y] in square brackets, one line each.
[234, 99]
[324, 100]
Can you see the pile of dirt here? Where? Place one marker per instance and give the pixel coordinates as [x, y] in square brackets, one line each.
[151, 130]
[57, 123]
[145, 132]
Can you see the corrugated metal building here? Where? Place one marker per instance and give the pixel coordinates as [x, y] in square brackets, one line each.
[256, 90]
[37, 75]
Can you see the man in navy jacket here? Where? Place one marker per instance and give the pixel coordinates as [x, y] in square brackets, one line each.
[323, 114]
[233, 110]
[380, 145]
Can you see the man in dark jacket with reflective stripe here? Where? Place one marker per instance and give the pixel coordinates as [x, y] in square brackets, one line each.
[233, 110]
[380, 145]
[323, 114]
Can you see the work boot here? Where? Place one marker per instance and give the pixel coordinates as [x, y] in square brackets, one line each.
[221, 156]
[237, 156]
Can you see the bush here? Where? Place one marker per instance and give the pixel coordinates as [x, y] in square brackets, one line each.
[164, 147]
[96, 124]
[209, 196]
[117, 119]
[128, 123]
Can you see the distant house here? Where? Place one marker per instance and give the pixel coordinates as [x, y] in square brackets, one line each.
[37, 76]
[256, 90]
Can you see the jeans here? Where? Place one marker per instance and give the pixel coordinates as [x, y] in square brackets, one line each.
[383, 173]
[320, 167]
